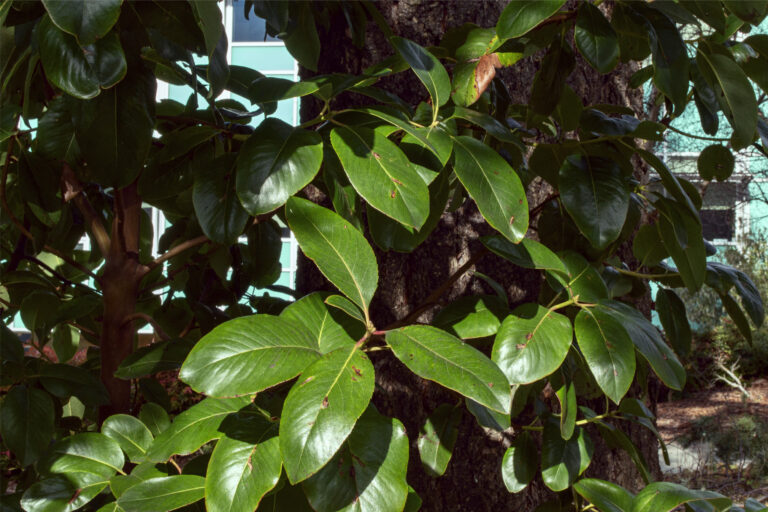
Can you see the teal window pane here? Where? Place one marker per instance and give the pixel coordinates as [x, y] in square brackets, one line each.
[285, 280]
[271, 58]
[285, 256]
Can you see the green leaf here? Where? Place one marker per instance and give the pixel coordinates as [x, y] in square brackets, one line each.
[340, 251]
[476, 316]
[647, 246]
[563, 460]
[594, 194]
[437, 438]
[486, 417]
[566, 395]
[56, 133]
[302, 39]
[274, 163]
[11, 348]
[520, 16]
[488, 123]
[243, 467]
[421, 135]
[26, 422]
[166, 355]
[737, 316]
[82, 457]
[674, 320]
[194, 427]
[222, 363]
[607, 349]
[494, 186]
[155, 418]
[218, 210]
[606, 496]
[88, 21]
[65, 342]
[532, 343]
[666, 496]
[527, 254]
[436, 355]
[632, 34]
[584, 281]
[347, 306]
[382, 174]
[751, 11]
[670, 58]
[596, 39]
[735, 94]
[428, 69]
[114, 131]
[681, 233]
[58, 494]
[549, 81]
[711, 13]
[163, 493]
[118, 484]
[518, 467]
[321, 409]
[267, 89]
[131, 434]
[80, 73]
[330, 327]
[648, 341]
[368, 472]
[63, 381]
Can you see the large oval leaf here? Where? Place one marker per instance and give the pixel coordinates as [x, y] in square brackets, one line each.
[247, 355]
[666, 496]
[382, 174]
[163, 493]
[438, 437]
[520, 16]
[674, 320]
[368, 473]
[338, 249]
[244, 465]
[86, 20]
[518, 467]
[595, 38]
[328, 325]
[194, 427]
[436, 355]
[26, 422]
[527, 254]
[494, 186]
[608, 350]
[606, 496]
[531, 343]
[83, 456]
[80, 73]
[563, 460]
[428, 69]
[59, 494]
[594, 193]
[130, 433]
[218, 210]
[275, 162]
[321, 409]
[166, 355]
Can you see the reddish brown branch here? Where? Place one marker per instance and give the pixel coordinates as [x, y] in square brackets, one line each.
[178, 249]
[143, 316]
[73, 190]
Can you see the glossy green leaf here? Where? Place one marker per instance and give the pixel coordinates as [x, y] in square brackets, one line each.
[330, 327]
[437, 438]
[244, 466]
[347, 306]
[527, 254]
[222, 362]
[532, 343]
[596, 39]
[382, 174]
[715, 162]
[163, 493]
[681, 233]
[80, 73]
[488, 123]
[427, 68]
[82, 457]
[26, 422]
[519, 465]
[549, 81]
[63, 381]
[583, 281]
[735, 94]
[59, 494]
[133, 436]
[65, 342]
[476, 316]
[274, 163]
[267, 89]
[670, 58]
[302, 39]
[737, 316]
[111, 507]
[649, 343]
[368, 472]
[607, 349]
[594, 194]
[666, 496]
[632, 34]
[194, 427]
[155, 418]
[88, 21]
[321, 409]
[166, 355]
[494, 186]
[647, 246]
[566, 395]
[217, 207]
[436, 355]
[606, 496]
[56, 132]
[520, 16]
[751, 11]
[340, 251]
[401, 121]
[674, 320]
[11, 348]
[486, 417]
[563, 461]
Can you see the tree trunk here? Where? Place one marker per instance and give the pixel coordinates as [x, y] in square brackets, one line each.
[473, 479]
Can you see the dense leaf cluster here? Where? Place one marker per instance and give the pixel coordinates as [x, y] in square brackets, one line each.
[288, 422]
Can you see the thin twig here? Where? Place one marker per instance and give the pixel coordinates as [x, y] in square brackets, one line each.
[138, 315]
[73, 190]
[537, 209]
[178, 249]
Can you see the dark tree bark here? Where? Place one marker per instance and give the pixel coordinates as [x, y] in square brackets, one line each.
[473, 479]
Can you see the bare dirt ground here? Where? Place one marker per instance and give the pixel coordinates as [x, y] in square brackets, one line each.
[676, 420]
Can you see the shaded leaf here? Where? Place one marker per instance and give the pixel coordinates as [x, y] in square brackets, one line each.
[518, 467]
[437, 438]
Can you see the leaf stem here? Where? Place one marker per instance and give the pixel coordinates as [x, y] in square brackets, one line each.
[700, 137]
[642, 275]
